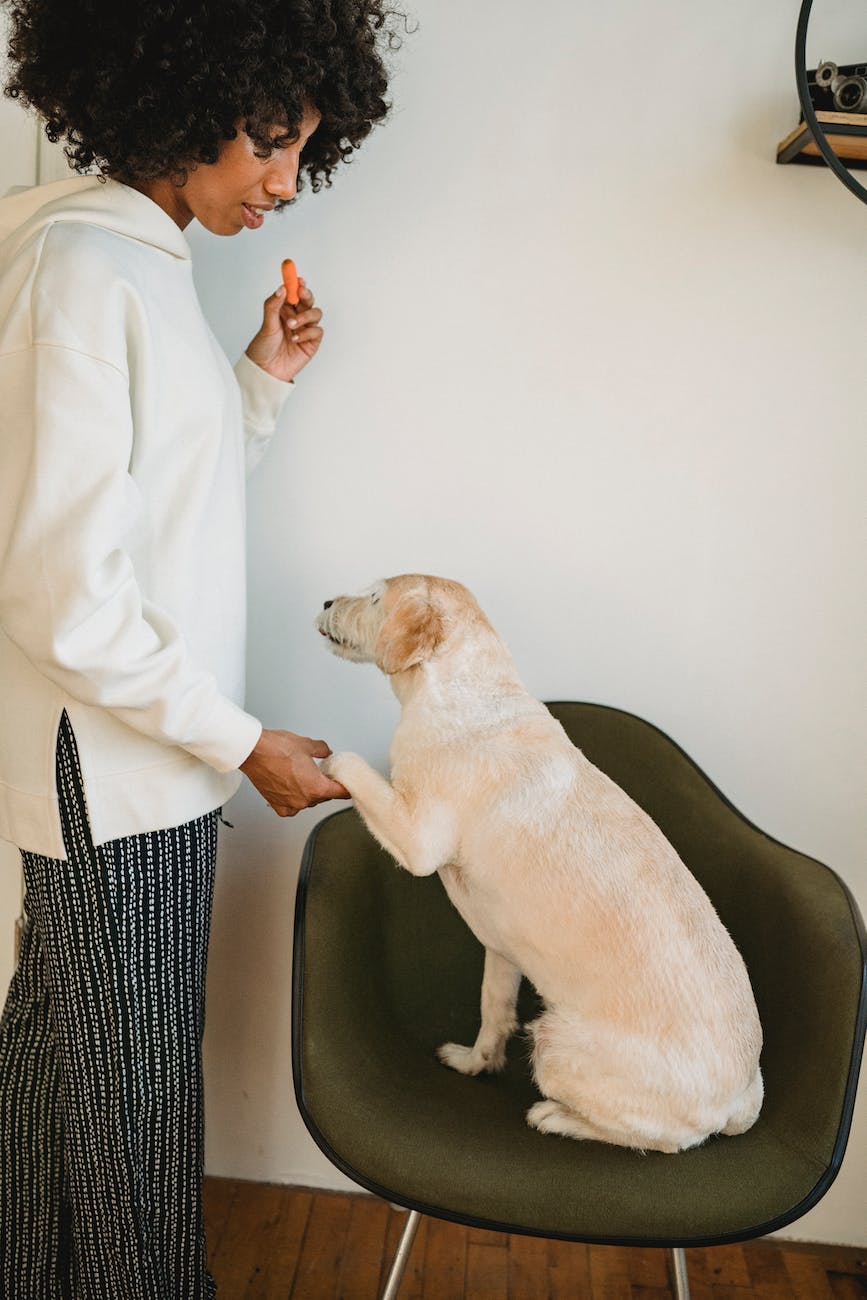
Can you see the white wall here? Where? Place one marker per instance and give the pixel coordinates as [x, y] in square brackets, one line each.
[590, 351]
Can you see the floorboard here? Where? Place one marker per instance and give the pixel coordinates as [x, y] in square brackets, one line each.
[267, 1242]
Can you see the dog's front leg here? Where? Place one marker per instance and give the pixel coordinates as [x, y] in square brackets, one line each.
[499, 1021]
[422, 841]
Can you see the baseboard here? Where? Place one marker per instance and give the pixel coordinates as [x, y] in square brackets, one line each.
[306, 1181]
[809, 1243]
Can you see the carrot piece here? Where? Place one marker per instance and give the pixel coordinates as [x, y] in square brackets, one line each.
[290, 280]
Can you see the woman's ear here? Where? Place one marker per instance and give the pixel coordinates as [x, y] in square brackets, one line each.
[410, 634]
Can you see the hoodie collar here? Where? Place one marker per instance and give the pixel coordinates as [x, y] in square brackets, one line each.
[109, 204]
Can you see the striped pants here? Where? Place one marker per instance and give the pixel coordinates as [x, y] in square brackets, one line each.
[101, 1108]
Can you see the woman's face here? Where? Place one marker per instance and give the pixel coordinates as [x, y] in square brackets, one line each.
[223, 196]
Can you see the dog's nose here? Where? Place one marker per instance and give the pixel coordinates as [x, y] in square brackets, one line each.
[328, 604]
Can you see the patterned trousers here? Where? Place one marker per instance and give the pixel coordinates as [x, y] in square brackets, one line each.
[101, 1107]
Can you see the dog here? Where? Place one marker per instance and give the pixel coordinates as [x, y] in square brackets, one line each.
[650, 1037]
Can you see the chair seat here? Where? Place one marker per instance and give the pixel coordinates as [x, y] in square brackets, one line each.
[386, 970]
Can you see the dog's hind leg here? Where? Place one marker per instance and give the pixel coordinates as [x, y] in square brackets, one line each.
[746, 1110]
[499, 1022]
[550, 1116]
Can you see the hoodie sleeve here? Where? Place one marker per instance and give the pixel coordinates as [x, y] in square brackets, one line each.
[262, 399]
[69, 598]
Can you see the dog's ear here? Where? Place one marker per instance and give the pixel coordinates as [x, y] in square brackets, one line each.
[411, 633]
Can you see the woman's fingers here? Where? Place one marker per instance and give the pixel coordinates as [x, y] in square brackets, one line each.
[312, 335]
[333, 790]
[283, 768]
[272, 308]
[298, 319]
[303, 326]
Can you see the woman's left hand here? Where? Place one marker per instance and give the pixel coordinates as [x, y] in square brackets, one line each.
[289, 337]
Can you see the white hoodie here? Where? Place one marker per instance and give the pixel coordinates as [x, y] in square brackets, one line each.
[122, 447]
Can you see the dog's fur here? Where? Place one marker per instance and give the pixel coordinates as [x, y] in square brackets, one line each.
[650, 1036]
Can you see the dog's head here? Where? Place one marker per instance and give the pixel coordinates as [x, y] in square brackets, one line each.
[397, 623]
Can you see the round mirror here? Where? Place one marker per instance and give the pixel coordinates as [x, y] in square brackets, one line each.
[833, 79]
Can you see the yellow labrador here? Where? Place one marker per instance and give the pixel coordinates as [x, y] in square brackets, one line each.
[650, 1036]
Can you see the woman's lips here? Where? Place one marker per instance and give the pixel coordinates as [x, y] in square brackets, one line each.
[252, 218]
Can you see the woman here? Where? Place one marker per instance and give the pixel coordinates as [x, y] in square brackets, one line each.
[123, 437]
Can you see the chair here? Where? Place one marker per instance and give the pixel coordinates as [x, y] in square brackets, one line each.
[385, 970]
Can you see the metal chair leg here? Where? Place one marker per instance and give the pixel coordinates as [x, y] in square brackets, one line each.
[401, 1256]
[681, 1278]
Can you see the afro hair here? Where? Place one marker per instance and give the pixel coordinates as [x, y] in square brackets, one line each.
[150, 90]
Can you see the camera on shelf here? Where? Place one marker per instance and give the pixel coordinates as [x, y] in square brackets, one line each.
[838, 89]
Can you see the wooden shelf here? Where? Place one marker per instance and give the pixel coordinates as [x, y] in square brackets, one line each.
[846, 133]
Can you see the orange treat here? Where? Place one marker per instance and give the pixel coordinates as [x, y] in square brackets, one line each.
[290, 279]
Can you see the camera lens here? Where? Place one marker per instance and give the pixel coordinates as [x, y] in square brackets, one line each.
[850, 95]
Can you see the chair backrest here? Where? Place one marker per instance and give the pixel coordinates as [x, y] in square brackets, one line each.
[793, 919]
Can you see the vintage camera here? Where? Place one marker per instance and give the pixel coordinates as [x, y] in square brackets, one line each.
[838, 89]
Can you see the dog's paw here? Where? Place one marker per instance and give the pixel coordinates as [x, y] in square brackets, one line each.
[467, 1060]
[544, 1115]
[462, 1059]
[551, 1116]
[339, 767]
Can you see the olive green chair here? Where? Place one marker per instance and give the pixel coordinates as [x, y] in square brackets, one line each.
[385, 970]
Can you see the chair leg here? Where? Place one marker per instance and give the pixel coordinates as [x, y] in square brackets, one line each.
[401, 1256]
[681, 1278]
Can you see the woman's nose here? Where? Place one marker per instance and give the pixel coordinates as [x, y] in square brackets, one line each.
[282, 178]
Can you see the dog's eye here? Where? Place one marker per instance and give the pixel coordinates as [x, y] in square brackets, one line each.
[374, 600]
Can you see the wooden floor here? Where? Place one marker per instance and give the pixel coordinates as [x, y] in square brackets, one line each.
[272, 1243]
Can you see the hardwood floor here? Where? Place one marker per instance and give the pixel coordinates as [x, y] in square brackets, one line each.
[273, 1243]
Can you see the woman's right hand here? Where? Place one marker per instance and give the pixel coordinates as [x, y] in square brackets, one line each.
[283, 770]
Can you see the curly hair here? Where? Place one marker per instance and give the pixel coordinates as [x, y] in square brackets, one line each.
[152, 89]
